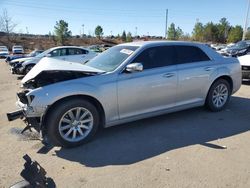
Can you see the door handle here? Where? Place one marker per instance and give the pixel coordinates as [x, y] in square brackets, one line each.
[209, 68]
[168, 75]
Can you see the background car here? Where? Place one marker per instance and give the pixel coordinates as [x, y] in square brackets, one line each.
[239, 49]
[17, 49]
[4, 52]
[31, 54]
[65, 53]
[245, 66]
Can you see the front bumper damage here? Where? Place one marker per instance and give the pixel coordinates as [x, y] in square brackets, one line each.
[31, 122]
[25, 113]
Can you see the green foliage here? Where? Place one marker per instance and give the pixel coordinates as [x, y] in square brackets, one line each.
[174, 33]
[185, 37]
[211, 32]
[235, 34]
[220, 33]
[198, 32]
[124, 36]
[62, 32]
[247, 37]
[223, 30]
[129, 37]
[98, 31]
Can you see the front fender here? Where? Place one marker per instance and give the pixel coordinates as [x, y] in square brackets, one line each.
[106, 94]
[45, 96]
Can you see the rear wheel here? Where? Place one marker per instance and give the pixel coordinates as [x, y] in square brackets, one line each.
[72, 123]
[218, 95]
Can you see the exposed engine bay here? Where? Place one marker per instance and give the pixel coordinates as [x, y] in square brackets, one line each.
[54, 76]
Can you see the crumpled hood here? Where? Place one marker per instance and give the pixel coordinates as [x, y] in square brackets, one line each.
[244, 60]
[22, 59]
[50, 64]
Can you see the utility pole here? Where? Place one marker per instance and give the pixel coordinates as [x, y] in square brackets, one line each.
[246, 22]
[27, 31]
[136, 31]
[166, 29]
[82, 30]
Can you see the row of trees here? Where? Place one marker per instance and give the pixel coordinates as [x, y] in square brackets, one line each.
[221, 32]
[62, 32]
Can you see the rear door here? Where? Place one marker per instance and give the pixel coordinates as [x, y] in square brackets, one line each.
[60, 53]
[194, 70]
[152, 89]
[77, 55]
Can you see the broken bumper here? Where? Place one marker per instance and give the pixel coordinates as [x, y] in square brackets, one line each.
[15, 115]
[31, 122]
[26, 113]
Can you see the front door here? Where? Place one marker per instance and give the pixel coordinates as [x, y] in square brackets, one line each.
[152, 89]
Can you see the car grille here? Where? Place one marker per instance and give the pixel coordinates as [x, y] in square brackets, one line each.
[245, 68]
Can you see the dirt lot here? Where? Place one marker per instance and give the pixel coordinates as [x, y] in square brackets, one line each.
[192, 148]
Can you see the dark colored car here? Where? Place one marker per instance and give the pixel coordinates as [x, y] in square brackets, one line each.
[32, 54]
[239, 49]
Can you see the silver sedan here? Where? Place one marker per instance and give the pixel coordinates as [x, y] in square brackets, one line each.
[68, 102]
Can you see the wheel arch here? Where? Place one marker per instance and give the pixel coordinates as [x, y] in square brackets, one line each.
[224, 77]
[227, 78]
[91, 99]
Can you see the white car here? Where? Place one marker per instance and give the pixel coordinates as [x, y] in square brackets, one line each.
[17, 49]
[65, 53]
[4, 52]
[245, 66]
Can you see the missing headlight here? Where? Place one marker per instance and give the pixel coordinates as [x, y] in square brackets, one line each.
[22, 96]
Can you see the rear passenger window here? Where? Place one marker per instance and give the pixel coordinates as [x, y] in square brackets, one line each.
[156, 57]
[58, 52]
[190, 54]
[84, 51]
[77, 51]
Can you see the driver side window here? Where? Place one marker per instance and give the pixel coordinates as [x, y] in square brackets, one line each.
[154, 57]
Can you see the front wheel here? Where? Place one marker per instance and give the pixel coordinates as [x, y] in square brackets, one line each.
[28, 68]
[218, 95]
[72, 123]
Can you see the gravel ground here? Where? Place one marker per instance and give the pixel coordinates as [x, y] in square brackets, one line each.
[192, 148]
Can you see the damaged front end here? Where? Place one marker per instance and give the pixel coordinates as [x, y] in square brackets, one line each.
[32, 113]
[24, 112]
[54, 76]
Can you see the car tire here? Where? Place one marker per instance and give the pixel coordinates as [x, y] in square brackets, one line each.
[218, 95]
[72, 123]
[28, 68]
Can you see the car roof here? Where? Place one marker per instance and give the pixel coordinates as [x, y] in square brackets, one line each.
[155, 43]
[17, 46]
[59, 47]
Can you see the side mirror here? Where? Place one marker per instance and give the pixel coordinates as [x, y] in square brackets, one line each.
[48, 55]
[134, 67]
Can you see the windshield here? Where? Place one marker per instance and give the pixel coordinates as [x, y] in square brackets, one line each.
[3, 49]
[44, 53]
[241, 44]
[17, 48]
[112, 58]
